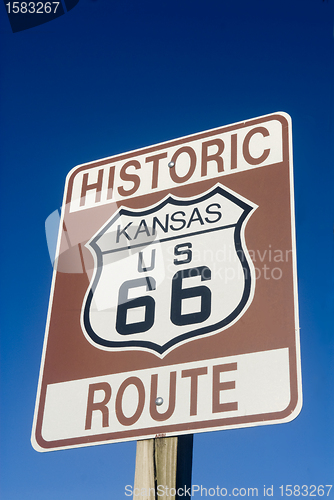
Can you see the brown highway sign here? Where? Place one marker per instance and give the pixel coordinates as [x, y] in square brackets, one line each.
[173, 306]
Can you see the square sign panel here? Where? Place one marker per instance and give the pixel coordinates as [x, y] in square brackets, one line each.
[173, 306]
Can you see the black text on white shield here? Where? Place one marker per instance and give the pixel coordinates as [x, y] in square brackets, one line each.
[170, 273]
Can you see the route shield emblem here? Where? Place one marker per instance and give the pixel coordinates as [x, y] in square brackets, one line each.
[170, 273]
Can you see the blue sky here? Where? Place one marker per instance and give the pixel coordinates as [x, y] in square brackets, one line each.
[111, 76]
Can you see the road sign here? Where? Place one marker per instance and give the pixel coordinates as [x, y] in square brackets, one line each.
[173, 307]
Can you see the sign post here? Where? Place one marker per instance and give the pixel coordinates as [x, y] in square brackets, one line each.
[173, 307]
[163, 468]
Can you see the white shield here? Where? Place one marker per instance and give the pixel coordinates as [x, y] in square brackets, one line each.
[169, 274]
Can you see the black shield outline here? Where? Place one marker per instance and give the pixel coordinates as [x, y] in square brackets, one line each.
[217, 327]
